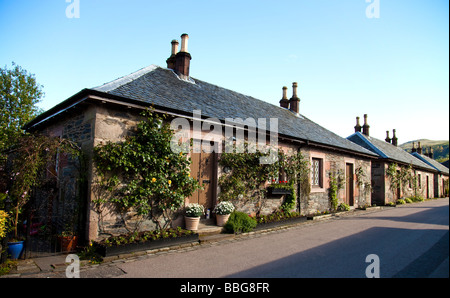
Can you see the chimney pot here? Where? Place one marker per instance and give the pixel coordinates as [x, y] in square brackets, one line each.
[357, 126]
[171, 61]
[388, 139]
[184, 43]
[419, 149]
[294, 102]
[365, 126]
[183, 59]
[413, 149]
[284, 102]
[394, 138]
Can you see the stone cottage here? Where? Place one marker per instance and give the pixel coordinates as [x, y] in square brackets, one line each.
[108, 112]
[389, 153]
[440, 181]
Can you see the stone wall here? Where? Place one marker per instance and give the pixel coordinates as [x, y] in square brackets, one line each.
[332, 162]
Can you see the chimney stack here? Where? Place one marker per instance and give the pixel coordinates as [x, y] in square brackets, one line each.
[419, 149]
[357, 126]
[388, 139]
[183, 58]
[413, 149]
[294, 102]
[431, 153]
[394, 138]
[171, 60]
[284, 102]
[365, 126]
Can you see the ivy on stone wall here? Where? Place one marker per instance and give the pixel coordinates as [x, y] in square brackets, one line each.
[142, 177]
[247, 178]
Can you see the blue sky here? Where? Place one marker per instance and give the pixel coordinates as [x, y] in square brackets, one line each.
[394, 68]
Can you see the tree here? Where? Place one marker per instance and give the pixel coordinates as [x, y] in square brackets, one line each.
[142, 175]
[19, 94]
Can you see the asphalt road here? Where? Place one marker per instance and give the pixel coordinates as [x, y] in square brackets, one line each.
[408, 241]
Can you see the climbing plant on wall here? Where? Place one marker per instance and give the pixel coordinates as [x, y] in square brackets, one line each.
[337, 182]
[248, 176]
[142, 175]
[400, 177]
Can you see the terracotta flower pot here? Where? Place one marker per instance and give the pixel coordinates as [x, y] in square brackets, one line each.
[192, 223]
[68, 243]
[222, 219]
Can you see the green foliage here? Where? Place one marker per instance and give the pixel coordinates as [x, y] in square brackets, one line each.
[29, 160]
[19, 94]
[343, 207]
[363, 181]
[142, 174]
[400, 177]
[276, 216]
[401, 202]
[408, 201]
[6, 267]
[290, 199]
[141, 237]
[337, 183]
[239, 222]
[248, 176]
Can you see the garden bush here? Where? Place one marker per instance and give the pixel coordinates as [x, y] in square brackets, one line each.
[239, 222]
[401, 202]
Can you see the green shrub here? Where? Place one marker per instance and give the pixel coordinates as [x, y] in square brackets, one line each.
[343, 207]
[408, 200]
[417, 198]
[401, 202]
[239, 222]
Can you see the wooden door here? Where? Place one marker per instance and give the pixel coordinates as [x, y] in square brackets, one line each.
[202, 169]
[349, 184]
[428, 187]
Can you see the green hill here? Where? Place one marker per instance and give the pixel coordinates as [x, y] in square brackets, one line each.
[440, 148]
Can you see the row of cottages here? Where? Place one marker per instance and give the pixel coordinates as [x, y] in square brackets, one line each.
[441, 178]
[109, 112]
[430, 177]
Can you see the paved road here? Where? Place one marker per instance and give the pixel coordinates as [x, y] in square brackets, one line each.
[410, 241]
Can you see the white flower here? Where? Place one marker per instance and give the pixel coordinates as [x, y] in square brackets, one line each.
[224, 208]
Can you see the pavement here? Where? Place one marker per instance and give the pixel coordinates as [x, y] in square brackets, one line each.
[210, 236]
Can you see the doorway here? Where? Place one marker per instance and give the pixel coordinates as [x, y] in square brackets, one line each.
[349, 184]
[203, 169]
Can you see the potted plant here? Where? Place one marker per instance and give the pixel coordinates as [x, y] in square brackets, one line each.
[223, 211]
[68, 241]
[192, 217]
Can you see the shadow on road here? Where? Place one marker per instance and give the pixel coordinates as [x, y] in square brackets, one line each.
[345, 258]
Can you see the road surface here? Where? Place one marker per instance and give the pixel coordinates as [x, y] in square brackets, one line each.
[408, 241]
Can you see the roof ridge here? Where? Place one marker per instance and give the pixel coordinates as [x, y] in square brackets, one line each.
[369, 143]
[114, 84]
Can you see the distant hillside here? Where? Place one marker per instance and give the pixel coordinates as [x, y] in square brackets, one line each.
[440, 148]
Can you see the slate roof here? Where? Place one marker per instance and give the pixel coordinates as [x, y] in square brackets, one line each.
[435, 164]
[163, 88]
[386, 150]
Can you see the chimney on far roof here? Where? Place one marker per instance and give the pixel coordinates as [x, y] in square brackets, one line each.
[413, 149]
[394, 138]
[171, 60]
[388, 139]
[365, 126]
[294, 102]
[284, 102]
[430, 153]
[357, 126]
[183, 58]
[419, 149]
